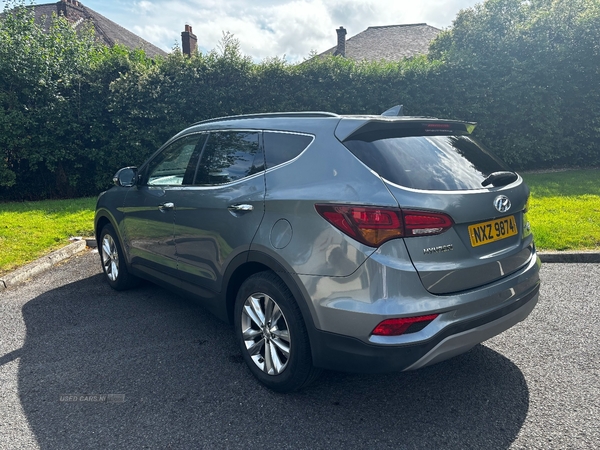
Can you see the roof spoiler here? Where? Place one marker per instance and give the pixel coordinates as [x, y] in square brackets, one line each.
[363, 128]
[397, 110]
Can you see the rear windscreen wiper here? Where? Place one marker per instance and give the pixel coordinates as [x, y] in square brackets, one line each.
[500, 179]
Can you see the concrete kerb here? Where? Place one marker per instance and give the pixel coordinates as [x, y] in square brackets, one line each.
[570, 257]
[41, 265]
[24, 273]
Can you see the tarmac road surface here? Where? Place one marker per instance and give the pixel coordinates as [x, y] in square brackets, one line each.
[83, 366]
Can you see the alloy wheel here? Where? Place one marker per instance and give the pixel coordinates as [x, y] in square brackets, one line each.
[265, 333]
[110, 257]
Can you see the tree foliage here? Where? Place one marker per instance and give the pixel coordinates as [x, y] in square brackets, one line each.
[532, 68]
[42, 74]
[73, 111]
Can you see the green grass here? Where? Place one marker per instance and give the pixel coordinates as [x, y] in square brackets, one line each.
[32, 229]
[564, 209]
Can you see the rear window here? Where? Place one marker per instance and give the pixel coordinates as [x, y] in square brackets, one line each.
[441, 163]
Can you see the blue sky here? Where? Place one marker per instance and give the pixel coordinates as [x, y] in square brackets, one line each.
[268, 28]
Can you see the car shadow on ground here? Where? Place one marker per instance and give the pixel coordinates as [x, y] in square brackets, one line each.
[147, 369]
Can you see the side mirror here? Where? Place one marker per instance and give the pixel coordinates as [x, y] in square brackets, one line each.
[125, 177]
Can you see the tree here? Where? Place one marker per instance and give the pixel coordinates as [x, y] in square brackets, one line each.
[41, 73]
[532, 69]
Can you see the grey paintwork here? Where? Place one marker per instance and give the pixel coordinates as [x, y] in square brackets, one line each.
[346, 288]
[209, 233]
[322, 174]
[465, 266]
[388, 285]
[461, 342]
[348, 125]
[148, 227]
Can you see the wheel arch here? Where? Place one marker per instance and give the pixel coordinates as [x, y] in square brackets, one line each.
[101, 222]
[103, 218]
[243, 266]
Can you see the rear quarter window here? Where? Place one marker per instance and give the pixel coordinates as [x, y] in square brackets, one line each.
[283, 147]
[440, 163]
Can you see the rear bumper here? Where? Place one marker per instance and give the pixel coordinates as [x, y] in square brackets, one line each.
[337, 352]
[387, 285]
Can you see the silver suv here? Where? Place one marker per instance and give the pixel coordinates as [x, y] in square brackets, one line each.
[355, 243]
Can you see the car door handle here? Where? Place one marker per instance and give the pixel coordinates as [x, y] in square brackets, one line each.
[166, 206]
[240, 208]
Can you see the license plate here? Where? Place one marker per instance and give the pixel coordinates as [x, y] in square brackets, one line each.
[492, 231]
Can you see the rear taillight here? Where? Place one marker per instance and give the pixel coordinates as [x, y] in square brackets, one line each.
[425, 223]
[398, 326]
[368, 225]
[373, 226]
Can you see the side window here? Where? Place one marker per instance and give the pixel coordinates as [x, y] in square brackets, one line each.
[283, 147]
[175, 163]
[229, 156]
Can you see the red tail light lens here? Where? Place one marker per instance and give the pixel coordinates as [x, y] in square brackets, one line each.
[368, 225]
[422, 224]
[373, 226]
[396, 327]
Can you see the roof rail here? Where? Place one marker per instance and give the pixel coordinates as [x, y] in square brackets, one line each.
[305, 114]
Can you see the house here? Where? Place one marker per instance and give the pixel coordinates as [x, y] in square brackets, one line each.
[106, 30]
[390, 43]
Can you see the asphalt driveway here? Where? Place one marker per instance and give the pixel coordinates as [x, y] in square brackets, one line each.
[83, 366]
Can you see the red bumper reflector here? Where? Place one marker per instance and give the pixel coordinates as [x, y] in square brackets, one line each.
[398, 326]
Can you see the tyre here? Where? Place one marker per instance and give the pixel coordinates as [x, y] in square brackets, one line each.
[113, 261]
[272, 335]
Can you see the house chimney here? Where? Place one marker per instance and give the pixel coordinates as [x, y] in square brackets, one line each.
[341, 42]
[61, 8]
[189, 41]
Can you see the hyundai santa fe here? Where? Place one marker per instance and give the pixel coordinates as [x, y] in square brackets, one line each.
[355, 243]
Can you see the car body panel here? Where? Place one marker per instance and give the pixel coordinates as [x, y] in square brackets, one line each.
[208, 234]
[315, 247]
[457, 265]
[149, 228]
[388, 286]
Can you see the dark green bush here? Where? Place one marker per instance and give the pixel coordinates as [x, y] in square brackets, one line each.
[72, 111]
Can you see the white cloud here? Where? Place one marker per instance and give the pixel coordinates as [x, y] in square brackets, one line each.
[268, 28]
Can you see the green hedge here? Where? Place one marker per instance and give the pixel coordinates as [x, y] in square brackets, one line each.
[72, 112]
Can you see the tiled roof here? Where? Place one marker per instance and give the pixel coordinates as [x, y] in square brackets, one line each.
[106, 30]
[391, 43]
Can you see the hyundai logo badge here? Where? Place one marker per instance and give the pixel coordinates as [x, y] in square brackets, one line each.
[502, 203]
